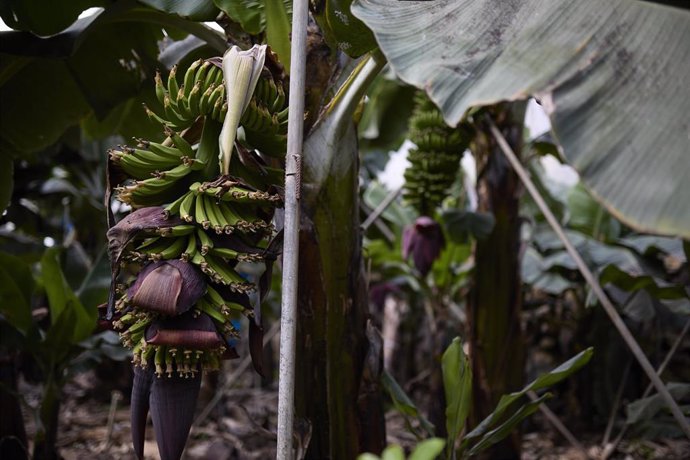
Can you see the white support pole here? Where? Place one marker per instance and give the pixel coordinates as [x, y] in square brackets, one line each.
[591, 280]
[288, 315]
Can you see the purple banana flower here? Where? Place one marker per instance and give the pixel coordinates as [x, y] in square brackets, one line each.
[378, 293]
[141, 220]
[424, 241]
[171, 399]
[170, 287]
[121, 234]
[186, 331]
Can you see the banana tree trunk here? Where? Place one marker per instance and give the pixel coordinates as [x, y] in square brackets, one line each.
[495, 301]
[332, 343]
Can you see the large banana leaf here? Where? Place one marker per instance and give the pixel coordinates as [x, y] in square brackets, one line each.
[611, 75]
[90, 69]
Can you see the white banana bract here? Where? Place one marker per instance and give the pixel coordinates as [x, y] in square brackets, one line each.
[241, 71]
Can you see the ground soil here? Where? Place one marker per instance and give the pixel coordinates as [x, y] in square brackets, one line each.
[242, 426]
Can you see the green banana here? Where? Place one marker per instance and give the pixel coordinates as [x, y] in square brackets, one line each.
[208, 149]
[171, 112]
[150, 192]
[160, 89]
[200, 213]
[186, 207]
[195, 98]
[173, 87]
[180, 143]
[205, 102]
[163, 249]
[205, 240]
[240, 195]
[149, 242]
[214, 298]
[135, 166]
[279, 102]
[435, 161]
[173, 174]
[159, 359]
[173, 208]
[218, 94]
[201, 72]
[225, 274]
[219, 110]
[178, 230]
[227, 253]
[214, 215]
[153, 116]
[190, 251]
[206, 307]
[173, 251]
[190, 77]
[211, 76]
[160, 150]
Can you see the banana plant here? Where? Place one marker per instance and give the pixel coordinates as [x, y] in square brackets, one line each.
[510, 411]
[53, 343]
[177, 281]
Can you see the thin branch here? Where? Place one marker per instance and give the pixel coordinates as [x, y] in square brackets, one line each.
[616, 403]
[115, 398]
[383, 205]
[233, 378]
[609, 448]
[591, 280]
[558, 424]
[288, 311]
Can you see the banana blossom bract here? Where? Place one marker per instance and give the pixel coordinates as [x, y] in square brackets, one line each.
[424, 241]
[241, 71]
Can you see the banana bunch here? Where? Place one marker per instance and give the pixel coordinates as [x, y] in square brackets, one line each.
[224, 208]
[159, 170]
[202, 93]
[185, 361]
[435, 162]
[213, 222]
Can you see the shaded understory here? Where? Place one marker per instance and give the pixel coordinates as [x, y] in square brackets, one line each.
[241, 427]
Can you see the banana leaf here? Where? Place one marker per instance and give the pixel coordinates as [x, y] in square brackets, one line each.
[608, 74]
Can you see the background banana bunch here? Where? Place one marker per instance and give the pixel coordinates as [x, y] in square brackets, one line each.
[435, 161]
[191, 227]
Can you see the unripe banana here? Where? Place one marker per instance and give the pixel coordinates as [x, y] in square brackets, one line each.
[215, 216]
[179, 142]
[160, 89]
[159, 359]
[200, 213]
[173, 88]
[435, 162]
[178, 230]
[171, 112]
[211, 77]
[205, 241]
[189, 77]
[190, 251]
[210, 310]
[193, 113]
[205, 102]
[186, 212]
[195, 98]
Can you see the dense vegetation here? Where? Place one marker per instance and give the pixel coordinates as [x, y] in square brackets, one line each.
[436, 316]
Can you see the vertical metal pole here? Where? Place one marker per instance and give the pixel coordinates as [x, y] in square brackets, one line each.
[288, 316]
